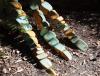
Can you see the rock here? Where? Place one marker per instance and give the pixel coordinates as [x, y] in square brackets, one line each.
[19, 69]
[1, 49]
[98, 43]
[91, 57]
[24, 58]
[5, 70]
[17, 51]
[19, 60]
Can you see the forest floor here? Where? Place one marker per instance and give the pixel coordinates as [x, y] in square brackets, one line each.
[19, 62]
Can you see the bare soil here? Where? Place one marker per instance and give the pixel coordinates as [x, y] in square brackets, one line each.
[19, 59]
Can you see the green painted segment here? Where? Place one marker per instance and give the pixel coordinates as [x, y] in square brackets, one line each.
[22, 20]
[44, 21]
[46, 63]
[53, 41]
[66, 27]
[41, 56]
[81, 45]
[34, 4]
[74, 39]
[60, 47]
[24, 23]
[49, 35]
[60, 26]
[44, 31]
[67, 54]
[42, 16]
[47, 6]
[34, 7]
[45, 24]
[27, 27]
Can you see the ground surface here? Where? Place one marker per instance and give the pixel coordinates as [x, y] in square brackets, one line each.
[19, 62]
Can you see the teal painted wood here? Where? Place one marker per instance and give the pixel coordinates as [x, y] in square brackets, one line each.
[66, 27]
[53, 42]
[44, 31]
[42, 16]
[24, 23]
[60, 26]
[34, 6]
[60, 47]
[47, 6]
[79, 43]
[74, 39]
[46, 62]
[49, 35]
